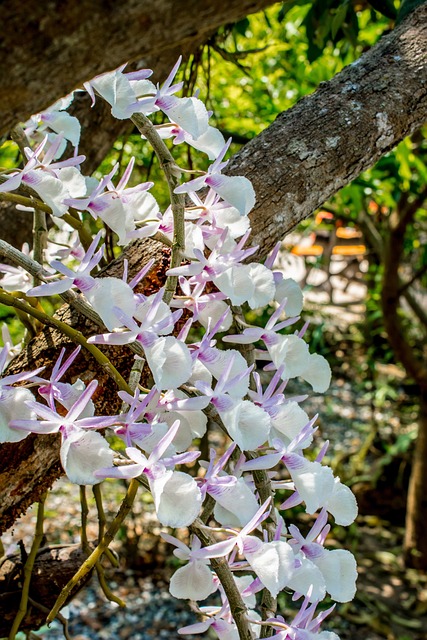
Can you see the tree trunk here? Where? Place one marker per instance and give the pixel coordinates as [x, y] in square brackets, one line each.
[50, 49]
[415, 543]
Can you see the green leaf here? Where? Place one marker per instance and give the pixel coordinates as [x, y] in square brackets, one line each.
[242, 26]
[338, 19]
[288, 5]
[385, 7]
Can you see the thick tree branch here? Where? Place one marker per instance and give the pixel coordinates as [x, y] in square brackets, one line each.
[331, 136]
[59, 46]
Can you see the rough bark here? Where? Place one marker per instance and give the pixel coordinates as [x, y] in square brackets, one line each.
[53, 568]
[29, 467]
[296, 164]
[61, 44]
[325, 141]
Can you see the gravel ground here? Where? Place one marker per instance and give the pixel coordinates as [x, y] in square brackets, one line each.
[150, 612]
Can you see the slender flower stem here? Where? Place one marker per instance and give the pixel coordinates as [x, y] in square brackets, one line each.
[102, 521]
[173, 175]
[76, 336]
[134, 378]
[39, 239]
[95, 556]
[84, 508]
[74, 300]
[20, 139]
[28, 568]
[105, 588]
[26, 201]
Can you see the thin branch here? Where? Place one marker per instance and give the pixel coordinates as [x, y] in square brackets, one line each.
[173, 175]
[84, 509]
[28, 569]
[73, 334]
[95, 556]
[221, 568]
[415, 276]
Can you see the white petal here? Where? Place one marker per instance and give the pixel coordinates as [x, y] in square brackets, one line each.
[236, 284]
[193, 239]
[235, 505]
[13, 407]
[163, 313]
[108, 293]
[288, 422]
[192, 424]
[342, 504]
[242, 583]
[212, 312]
[292, 352]
[218, 363]
[200, 373]
[141, 206]
[83, 453]
[339, 570]
[70, 393]
[264, 287]
[63, 122]
[148, 443]
[115, 215]
[317, 373]
[236, 190]
[211, 142]
[189, 113]
[170, 362]
[192, 582]
[289, 289]
[229, 218]
[178, 504]
[73, 181]
[274, 565]
[308, 578]
[115, 88]
[247, 424]
[50, 189]
[313, 482]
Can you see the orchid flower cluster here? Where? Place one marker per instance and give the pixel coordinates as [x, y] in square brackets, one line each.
[195, 382]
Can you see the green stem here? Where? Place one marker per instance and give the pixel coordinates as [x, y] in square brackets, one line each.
[73, 334]
[26, 201]
[28, 569]
[102, 521]
[105, 588]
[95, 556]
[84, 512]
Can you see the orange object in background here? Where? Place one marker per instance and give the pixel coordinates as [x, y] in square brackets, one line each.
[315, 244]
